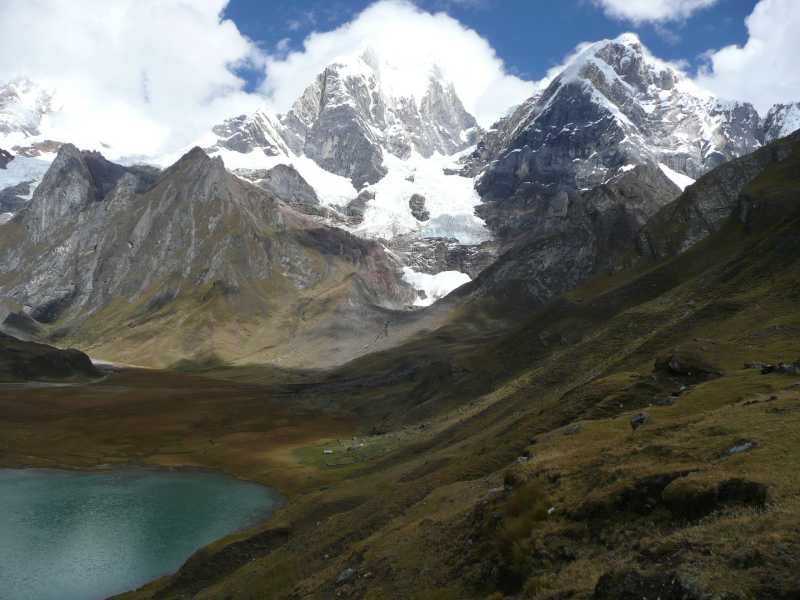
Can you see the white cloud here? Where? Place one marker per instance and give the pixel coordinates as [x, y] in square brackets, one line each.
[658, 11]
[139, 75]
[764, 71]
[410, 39]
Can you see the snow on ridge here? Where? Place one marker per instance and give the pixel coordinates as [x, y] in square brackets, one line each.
[435, 287]
[679, 179]
[331, 189]
[450, 200]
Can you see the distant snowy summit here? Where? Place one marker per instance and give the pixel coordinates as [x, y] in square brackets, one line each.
[613, 105]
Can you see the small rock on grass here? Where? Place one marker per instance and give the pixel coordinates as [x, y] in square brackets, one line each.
[639, 420]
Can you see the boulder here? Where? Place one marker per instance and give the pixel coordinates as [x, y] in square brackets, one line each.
[346, 576]
[417, 205]
[356, 208]
[739, 446]
[639, 420]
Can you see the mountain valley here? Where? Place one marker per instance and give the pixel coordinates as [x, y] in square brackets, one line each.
[554, 358]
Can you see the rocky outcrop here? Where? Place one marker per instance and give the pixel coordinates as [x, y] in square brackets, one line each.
[74, 181]
[632, 585]
[37, 148]
[356, 208]
[5, 158]
[417, 206]
[27, 361]
[66, 189]
[435, 255]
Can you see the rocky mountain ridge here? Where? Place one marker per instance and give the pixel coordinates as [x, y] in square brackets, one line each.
[103, 248]
[612, 106]
[347, 119]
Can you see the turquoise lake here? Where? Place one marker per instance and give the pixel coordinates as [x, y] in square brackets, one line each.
[88, 535]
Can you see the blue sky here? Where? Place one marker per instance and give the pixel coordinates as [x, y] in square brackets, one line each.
[529, 35]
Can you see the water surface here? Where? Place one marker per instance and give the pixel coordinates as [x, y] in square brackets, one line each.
[88, 535]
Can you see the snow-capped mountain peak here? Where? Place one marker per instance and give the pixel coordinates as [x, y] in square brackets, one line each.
[615, 104]
[366, 95]
[377, 145]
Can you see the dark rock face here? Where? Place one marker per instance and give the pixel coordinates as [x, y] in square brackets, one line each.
[639, 421]
[543, 151]
[27, 361]
[104, 173]
[786, 368]
[687, 366]
[357, 206]
[5, 158]
[417, 205]
[558, 241]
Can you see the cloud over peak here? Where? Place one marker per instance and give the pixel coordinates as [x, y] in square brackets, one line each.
[654, 11]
